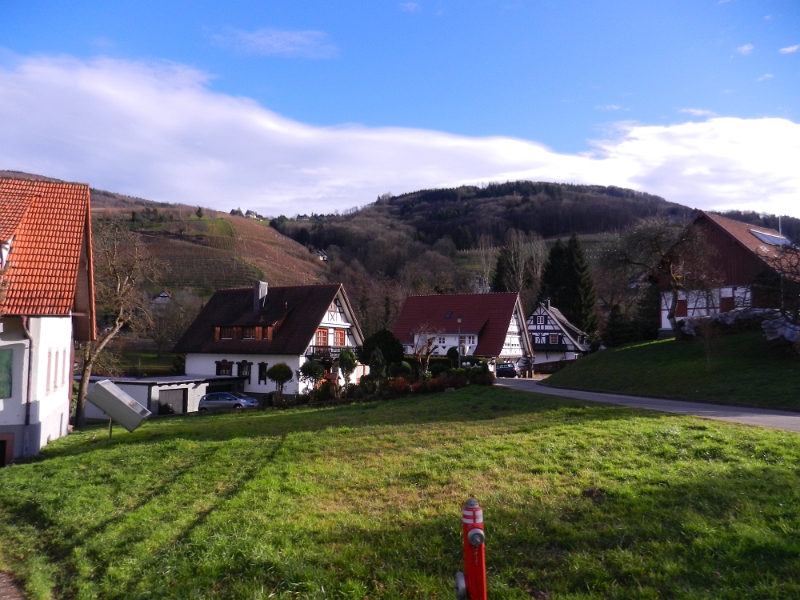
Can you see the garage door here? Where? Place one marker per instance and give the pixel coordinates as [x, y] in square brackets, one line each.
[174, 399]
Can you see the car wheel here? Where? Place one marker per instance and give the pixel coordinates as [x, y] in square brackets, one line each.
[204, 409]
[237, 407]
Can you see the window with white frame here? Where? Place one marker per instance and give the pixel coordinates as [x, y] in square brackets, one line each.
[540, 319]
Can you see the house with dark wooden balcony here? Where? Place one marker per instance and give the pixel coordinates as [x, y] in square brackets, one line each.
[744, 258]
[490, 326]
[556, 342]
[243, 332]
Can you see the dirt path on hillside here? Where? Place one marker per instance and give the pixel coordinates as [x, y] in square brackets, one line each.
[8, 588]
[761, 417]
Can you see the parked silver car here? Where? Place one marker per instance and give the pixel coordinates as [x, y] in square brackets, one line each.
[226, 401]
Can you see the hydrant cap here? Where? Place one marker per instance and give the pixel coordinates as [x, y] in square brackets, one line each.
[476, 537]
[472, 503]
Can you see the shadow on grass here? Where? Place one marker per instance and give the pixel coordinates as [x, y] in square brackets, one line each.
[109, 542]
[715, 537]
[467, 405]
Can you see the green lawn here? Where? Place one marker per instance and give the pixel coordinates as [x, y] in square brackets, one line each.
[746, 370]
[146, 362]
[362, 501]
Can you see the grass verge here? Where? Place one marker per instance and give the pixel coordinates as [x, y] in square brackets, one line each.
[362, 501]
[747, 370]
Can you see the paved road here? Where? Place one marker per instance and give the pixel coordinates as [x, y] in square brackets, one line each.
[763, 417]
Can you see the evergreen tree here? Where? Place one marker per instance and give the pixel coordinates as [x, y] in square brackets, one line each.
[501, 272]
[581, 306]
[648, 313]
[553, 276]
[567, 282]
[619, 330]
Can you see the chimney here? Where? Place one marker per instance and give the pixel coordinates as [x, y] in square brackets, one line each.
[259, 293]
[548, 303]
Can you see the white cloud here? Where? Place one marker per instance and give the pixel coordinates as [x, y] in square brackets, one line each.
[276, 42]
[159, 132]
[410, 7]
[765, 76]
[746, 49]
[608, 107]
[697, 112]
[790, 49]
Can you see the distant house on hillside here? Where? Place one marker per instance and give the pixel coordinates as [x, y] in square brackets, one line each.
[46, 239]
[555, 340]
[244, 331]
[489, 326]
[744, 258]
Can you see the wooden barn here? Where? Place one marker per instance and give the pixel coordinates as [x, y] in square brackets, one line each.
[745, 256]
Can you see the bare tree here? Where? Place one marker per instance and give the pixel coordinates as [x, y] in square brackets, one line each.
[521, 261]
[425, 345]
[122, 267]
[672, 253]
[170, 321]
[783, 288]
[487, 256]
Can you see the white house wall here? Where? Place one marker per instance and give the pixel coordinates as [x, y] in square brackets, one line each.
[50, 386]
[513, 345]
[12, 408]
[206, 365]
[701, 304]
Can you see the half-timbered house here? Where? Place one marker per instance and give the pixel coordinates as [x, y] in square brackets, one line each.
[242, 332]
[744, 257]
[490, 326]
[555, 341]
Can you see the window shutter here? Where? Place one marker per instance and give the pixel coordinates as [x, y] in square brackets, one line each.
[259, 330]
[216, 334]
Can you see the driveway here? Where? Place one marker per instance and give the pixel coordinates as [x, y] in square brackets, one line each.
[762, 417]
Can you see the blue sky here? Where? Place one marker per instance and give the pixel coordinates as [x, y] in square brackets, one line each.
[501, 89]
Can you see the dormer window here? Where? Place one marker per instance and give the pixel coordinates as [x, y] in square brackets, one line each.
[248, 333]
[226, 333]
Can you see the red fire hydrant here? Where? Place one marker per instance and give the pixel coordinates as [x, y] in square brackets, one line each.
[472, 582]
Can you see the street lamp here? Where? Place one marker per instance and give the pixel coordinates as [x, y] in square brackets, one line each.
[458, 318]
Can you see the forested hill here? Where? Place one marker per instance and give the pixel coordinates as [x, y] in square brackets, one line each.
[550, 209]
[465, 213]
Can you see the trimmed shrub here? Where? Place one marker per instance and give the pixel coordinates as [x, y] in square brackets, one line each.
[400, 386]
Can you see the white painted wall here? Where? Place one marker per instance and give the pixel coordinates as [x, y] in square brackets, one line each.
[206, 365]
[51, 379]
[12, 408]
[701, 304]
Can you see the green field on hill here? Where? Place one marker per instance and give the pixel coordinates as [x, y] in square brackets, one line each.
[362, 501]
[745, 370]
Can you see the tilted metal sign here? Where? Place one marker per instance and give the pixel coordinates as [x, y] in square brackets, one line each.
[117, 404]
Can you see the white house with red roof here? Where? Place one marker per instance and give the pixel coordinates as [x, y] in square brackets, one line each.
[488, 326]
[47, 304]
[744, 256]
[242, 332]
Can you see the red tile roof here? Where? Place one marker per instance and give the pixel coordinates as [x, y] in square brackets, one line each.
[485, 315]
[743, 233]
[48, 222]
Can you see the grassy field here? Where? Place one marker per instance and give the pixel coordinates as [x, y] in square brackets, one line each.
[362, 501]
[746, 370]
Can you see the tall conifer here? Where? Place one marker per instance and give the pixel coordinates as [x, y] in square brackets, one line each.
[553, 282]
[581, 302]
